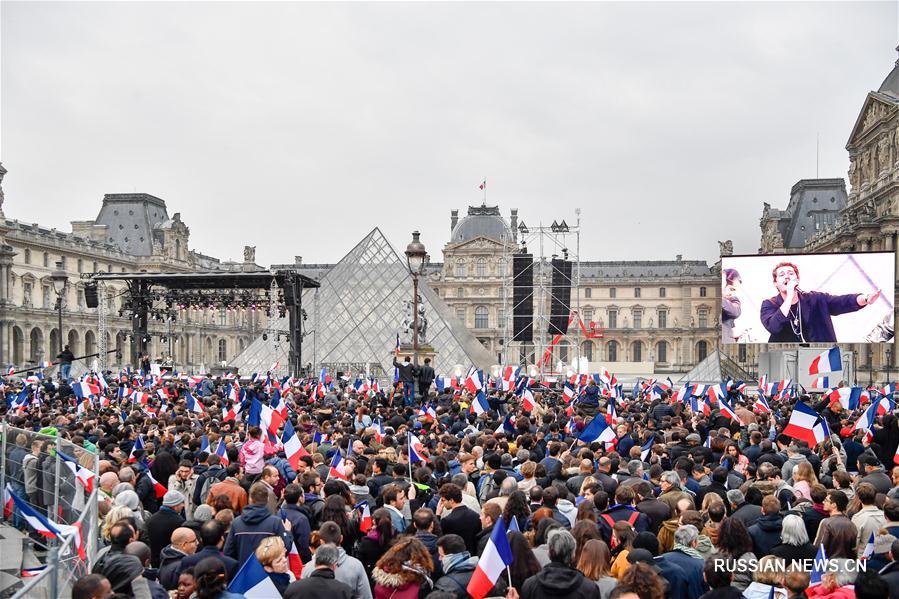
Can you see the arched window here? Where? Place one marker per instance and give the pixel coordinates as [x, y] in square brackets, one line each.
[702, 351]
[72, 342]
[27, 256]
[460, 268]
[481, 319]
[636, 352]
[563, 353]
[177, 249]
[501, 267]
[612, 351]
[587, 350]
[702, 292]
[223, 350]
[37, 344]
[482, 267]
[90, 342]
[661, 351]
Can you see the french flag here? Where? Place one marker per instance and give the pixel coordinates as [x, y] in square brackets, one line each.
[717, 393]
[337, 467]
[193, 405]
[819, 568]
[866, 420]
[222, 452]
[822, 382]
[568, 392]
[7, 502]
[597, 430]
[50, 530]
[252, 581]
[826, 361]
[479, 404]
[497, 557]
[138, 446]
[510, 375]
[416, 450]
[806, 425]
[885, 405]
[728, 411]
[646, 449]
[444, 383]
[379, 430]
[319, 437]
[761, 404]
[506, 426]
[294, 562]
[84, 475]
[293, 449]
[204, 443]
[157, 486]
[682, 394]
[889, 390]
[365, 522]
[528, 403]
[473, 382]
[868, 553]
[84, 390]
[849, 397]
[29, 572]
[232, 413]
[611, 413]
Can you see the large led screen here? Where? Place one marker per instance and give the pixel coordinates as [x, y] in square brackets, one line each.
[808, 298]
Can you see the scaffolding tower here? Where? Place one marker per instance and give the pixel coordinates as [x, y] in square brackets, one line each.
[546, 242]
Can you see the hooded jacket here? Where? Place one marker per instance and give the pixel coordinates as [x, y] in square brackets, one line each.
[765, 533]
[559, 580]
[460, 568]
[349, 571]
[170, 566]
[408, 583]
[253, 525]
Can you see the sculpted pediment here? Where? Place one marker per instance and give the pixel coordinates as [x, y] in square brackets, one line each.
[875, 110]
[478, 243]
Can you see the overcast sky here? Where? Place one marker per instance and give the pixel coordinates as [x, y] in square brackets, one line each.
[299, 127]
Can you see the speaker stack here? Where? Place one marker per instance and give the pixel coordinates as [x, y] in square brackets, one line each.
[560, 305]
[523, 297]
[90, 295]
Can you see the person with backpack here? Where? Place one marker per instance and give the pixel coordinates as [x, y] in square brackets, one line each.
[215, 473]
[622, 510]
[313, 504]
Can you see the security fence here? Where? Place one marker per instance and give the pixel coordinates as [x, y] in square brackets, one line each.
[47, 475]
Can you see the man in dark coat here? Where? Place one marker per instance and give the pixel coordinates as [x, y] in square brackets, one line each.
[766, 531]
[559, 578]
[321, 582]
[719, 478]
[426, 376]
[254, 524]
[797, 316]
[459, 519]
[741, 510]
[299, 522]
[184, 543]
[658, 511]
[890, 572]
[212, 536]
[874, 475]
[623, 509]
[406, 372]
[163, 523]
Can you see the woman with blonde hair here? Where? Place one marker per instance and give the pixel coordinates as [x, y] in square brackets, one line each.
[528, 470]
[404, 571]
[595, 564]
[272, 554]
[118, 512]
[803, 479]
[767, 581]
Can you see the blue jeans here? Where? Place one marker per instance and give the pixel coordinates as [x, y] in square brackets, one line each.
[64, 370]
[408, 394]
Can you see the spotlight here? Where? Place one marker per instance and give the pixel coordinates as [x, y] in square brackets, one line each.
[265, 336]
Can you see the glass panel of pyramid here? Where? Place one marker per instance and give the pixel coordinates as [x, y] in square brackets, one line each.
[717, 367]
[356, 314]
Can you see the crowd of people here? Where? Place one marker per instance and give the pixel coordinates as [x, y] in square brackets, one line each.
[678, 504]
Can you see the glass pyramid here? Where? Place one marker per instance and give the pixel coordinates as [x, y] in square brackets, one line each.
[717, 367]
[354, 317]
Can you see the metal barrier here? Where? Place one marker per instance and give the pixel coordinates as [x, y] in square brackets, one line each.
[31, 466]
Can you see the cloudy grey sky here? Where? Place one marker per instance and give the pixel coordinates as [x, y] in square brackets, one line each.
[297, 127]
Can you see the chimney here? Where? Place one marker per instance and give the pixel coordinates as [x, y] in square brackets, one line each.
[297, 260]
[454, 220]
[513, 221]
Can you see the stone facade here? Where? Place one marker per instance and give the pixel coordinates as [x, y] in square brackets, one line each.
[869, 220]
[661, 314]
[132, 233]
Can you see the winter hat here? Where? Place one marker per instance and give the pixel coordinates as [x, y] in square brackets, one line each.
[204, 512]
[128, 498]
[172, 498]
[883, 543]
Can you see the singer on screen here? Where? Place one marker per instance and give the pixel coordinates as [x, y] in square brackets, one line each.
[795, 315]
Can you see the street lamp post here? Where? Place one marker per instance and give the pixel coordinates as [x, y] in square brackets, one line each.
[416, 259]
[889, 363]
[60, 279]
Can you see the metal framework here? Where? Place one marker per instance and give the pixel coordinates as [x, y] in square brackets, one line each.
[154, 293]
[103, 328]
[545, 242]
